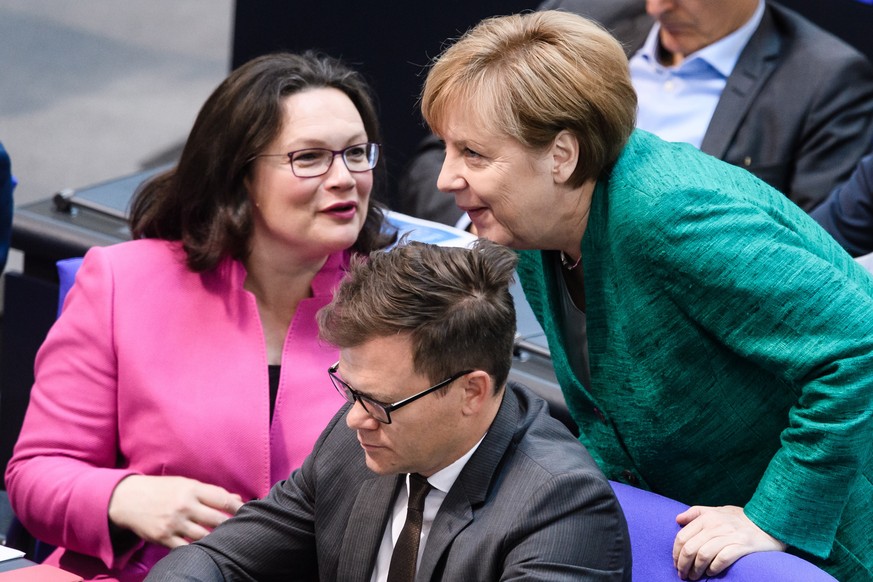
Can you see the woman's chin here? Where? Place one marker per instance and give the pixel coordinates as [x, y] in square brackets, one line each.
[496, 235]
[344, 238]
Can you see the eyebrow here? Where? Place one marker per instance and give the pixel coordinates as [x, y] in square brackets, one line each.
[371, 397]
[466, 144]
[313, 142]
[365, 394]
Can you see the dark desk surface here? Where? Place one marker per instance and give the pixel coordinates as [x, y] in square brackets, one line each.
[72, 221]
[15, 564]
[46, 234]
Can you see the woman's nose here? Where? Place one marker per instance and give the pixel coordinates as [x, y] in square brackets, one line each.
[338, 173]
[450, 179]
[655, 8]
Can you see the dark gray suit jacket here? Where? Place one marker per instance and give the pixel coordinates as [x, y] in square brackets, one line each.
[529, 504]
[797, 111]
[847, 214]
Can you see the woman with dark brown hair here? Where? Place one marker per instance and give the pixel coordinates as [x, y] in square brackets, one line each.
[185, 375]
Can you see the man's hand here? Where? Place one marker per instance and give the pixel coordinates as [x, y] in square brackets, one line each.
[713, 538]
[171, 511]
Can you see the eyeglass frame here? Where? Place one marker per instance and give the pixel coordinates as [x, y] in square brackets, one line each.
[344, 388]
[334, 154]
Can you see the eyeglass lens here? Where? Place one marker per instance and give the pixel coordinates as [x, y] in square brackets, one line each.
[316, 161]
[377, 411]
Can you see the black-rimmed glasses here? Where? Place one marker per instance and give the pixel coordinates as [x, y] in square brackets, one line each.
[379, 410]
[313, 162]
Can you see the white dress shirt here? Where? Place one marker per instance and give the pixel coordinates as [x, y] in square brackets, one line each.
[440, 483]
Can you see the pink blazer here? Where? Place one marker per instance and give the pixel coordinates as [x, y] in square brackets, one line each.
[153, 369]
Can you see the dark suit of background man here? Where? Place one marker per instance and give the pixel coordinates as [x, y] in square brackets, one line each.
[847, 214]
[514, 495]
[796, 109]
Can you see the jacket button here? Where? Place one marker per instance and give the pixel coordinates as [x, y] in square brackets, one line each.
[630, 477]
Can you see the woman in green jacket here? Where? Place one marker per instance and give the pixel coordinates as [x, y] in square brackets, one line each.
[713, 343]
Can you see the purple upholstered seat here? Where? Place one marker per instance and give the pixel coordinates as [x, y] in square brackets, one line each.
[651, 520]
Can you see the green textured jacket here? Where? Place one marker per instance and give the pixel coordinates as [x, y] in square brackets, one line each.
[731, 350]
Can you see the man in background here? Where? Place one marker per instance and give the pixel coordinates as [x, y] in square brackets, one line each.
[847, 213]
[747, 81]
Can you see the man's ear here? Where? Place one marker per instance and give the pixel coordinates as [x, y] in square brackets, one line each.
[478, 390]
[565, 155]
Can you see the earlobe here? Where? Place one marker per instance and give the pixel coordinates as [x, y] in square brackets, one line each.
[565, 156]
[247, 184]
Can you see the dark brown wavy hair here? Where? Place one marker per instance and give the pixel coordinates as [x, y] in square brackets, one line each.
[203, 201]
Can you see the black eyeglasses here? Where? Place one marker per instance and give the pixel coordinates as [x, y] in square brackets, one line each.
[313, 162]
[379, 410]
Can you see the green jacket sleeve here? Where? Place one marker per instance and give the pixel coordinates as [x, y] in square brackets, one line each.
[772, 287]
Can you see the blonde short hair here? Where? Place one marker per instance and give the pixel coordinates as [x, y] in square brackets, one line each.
[530, 76]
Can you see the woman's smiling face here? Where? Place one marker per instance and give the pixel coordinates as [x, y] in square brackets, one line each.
[508, 191]
[319, 215]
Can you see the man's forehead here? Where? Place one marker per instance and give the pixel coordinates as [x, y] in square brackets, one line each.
[368, 365]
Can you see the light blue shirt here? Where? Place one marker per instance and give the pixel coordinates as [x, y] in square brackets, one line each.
[676, 103]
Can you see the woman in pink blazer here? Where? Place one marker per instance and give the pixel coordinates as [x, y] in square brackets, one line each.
[184, 375]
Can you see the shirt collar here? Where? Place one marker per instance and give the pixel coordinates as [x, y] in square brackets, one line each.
[721, 55]
[446, 477]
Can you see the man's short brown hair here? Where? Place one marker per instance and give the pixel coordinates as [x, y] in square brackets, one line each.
[453, 303]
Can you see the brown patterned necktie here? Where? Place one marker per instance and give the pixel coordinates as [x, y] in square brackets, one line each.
[405, 556]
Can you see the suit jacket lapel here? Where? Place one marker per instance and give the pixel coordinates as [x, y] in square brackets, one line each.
[365, 527]
[472, 486]
[757, 61]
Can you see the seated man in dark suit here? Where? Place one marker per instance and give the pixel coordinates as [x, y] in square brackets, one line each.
[746, 81]
[847, 213]
[461, 477]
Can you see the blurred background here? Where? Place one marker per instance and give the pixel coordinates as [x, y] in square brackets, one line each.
[95, 89]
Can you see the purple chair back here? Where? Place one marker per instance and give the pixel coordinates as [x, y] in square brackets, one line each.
[651, 520]
[67, 276]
